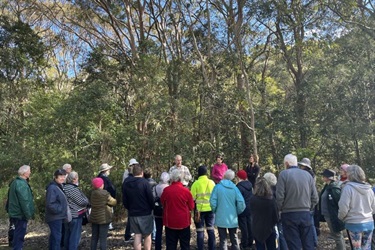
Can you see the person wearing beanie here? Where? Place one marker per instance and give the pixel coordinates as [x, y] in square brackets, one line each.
[104, 171]
[201, 191]
[328, 207]
[343, 175]
[101, 213]
[218, 169]
[244, 219]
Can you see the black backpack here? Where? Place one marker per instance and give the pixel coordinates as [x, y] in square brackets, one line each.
[158, 208]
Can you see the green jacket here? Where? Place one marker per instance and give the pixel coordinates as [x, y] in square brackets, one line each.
[21, 200]
[334, 192]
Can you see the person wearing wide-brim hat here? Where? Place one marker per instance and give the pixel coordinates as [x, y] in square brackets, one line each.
[305, 164]
[104, 171]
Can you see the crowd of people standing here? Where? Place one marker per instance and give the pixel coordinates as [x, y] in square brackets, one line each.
[272, 212]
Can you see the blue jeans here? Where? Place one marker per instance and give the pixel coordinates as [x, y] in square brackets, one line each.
[207, 218]
[223, 245]
[159, 232]
[297, 230]
[72, 234]
[19, 233]
[244, 223]
[282, 241]
[99, 232]
[172, 236]
[54, 240]
[269, 244]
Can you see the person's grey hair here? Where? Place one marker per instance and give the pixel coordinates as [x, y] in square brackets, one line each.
[262, 188]
[229, 174]
[66, 166]
[23, 169]
[71, 176]
[291, 160]
[164, 178]
[270, 178]
[176, 175]
[355, 173]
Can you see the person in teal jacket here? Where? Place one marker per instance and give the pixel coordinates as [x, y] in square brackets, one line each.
[227, 203]
[20, 205]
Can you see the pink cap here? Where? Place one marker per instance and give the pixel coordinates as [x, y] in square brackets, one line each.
[97, 182]
[344, 167]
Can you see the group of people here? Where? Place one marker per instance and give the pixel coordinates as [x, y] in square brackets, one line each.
[275, 213]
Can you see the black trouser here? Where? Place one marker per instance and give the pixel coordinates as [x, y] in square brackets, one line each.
[11, 231]
[172, 237]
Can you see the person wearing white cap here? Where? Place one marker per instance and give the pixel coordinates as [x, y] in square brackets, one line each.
[104, 171]
[128, 236]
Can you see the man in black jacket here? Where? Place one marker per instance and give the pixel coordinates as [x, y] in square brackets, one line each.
[139, 201]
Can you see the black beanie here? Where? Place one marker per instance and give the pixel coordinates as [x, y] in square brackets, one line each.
[202, 170]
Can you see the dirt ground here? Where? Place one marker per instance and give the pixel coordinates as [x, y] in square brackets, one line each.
[37, 237]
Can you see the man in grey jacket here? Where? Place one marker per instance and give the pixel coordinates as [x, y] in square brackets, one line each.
[295, 195]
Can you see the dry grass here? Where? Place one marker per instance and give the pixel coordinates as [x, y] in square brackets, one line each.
[37, 237]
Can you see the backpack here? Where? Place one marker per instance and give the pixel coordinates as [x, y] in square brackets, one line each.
[158, 207]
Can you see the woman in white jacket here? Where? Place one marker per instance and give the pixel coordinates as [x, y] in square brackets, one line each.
[356, 206]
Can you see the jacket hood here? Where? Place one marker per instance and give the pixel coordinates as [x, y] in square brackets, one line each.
[133, 181]
[227, 184]
[246, 185]
[362, 188]
[53, 183]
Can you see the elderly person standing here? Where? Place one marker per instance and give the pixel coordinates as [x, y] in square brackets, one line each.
[264, 216]
[177, 203]
[227, 203]
[104, 172]
[56, 208]
[158, 209]
[20, 205]
[77, 202]
[343, 175]
[356, 207]
[201, 191]
[101, 213]
[296, 195]
[328, 207]
[218, 169]
[185, 173]
[244, 219]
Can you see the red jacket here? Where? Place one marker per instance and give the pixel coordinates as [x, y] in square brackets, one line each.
[177, 203]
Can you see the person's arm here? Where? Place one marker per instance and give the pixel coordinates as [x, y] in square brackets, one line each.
[344, 203]
[240, 202]
[150, 196]
[191, 203]
[52, 202]
[214, 174]
[280, 191]
[111, 201]
[193, 190]
[25, 200]
[187, 176]
[314, 194]
[213, 199]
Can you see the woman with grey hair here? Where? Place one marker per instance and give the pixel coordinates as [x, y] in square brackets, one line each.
[356, 206]
[78, 203]
[227, 203]
[177, 203]
[158, 209]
